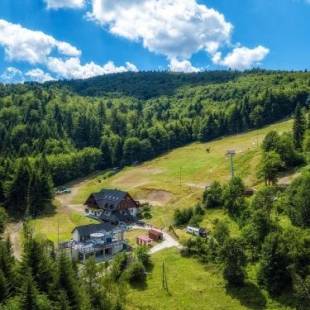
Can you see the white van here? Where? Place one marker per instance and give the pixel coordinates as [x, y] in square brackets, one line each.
[200, 232]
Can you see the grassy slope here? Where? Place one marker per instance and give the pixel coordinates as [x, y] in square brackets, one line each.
[63, 221]
[193, 286]
[158, 180]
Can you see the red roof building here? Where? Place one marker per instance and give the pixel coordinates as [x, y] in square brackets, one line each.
[156, 234]
[144, 241]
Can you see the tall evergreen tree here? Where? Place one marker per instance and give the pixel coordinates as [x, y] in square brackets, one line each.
[299, 127]
[68, 283]
[18, 188]
[41, 187]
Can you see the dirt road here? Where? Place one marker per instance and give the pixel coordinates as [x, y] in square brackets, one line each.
[13, 231]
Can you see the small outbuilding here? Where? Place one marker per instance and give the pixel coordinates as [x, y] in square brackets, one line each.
[144, 241]
[156, 234]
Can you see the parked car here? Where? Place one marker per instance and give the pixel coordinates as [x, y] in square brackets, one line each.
[62, 190]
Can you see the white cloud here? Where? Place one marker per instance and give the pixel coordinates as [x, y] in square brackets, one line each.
[22, 44]
[174, 28]
[12, 75]
[58, 4]
[39, 75]
[60, 58]
[182, 66]
[242, 58]
[73, 69]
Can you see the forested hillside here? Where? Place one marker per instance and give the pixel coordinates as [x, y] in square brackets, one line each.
[115, 120]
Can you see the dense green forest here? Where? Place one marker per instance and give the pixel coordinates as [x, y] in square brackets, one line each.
[71, 128]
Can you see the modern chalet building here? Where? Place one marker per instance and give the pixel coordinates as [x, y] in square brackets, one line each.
[112, 206]
[100, 240]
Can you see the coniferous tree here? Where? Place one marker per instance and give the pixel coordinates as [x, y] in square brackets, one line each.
[18, 189]
[39, 264]
[30, 298]
[68, 283]
[299, 127]
[41, 187]
[7, 266]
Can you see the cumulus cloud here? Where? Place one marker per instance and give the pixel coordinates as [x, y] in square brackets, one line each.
[73, 69]
[174, 28]
[38, 75]
[242, 58]
[59, 4]
[12, 75]
[182, 66]
[59, 57]
[22, 44]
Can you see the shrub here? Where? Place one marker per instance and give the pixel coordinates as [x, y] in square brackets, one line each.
[135, 273]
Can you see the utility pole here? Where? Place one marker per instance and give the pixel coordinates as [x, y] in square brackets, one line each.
[231, 154]
[58, 234]
[180, 176]
[164, 278]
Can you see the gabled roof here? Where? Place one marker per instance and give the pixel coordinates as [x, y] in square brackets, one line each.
[87, 230]
[109, 198]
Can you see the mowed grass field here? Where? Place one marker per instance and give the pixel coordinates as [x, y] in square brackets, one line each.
[177, 179]
[194, 286]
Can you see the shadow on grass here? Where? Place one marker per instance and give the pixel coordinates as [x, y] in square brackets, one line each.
[49, 210]
[249, 296]
[287, 299]
[139, 286]
[142, 285]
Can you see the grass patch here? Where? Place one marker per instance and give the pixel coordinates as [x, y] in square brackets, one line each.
[60, 225]
[194, 286]
[132, 235]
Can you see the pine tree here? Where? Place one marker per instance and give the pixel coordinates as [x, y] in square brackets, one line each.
[68, 282]
[36, 259]
[29, 295]
[7, 266]
[299, 127]
[41, 187]
[18, 189]
[4, 289]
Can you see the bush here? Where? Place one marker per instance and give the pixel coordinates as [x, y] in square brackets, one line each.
[135, 273]
[119, 265]
[212, 196]
[143, 256]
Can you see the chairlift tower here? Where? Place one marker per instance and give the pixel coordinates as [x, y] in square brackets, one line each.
[231, 154]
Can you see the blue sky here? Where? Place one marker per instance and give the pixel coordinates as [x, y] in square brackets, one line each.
[56, 39]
